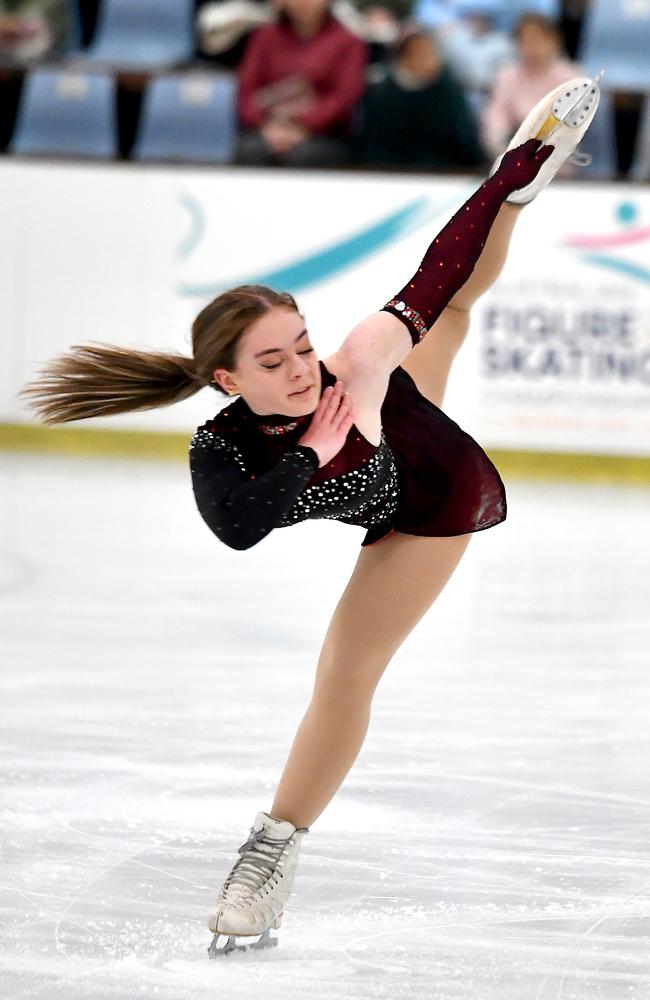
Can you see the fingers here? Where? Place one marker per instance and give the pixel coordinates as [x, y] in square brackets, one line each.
[345, 412]
[537, 150]
[544, 153]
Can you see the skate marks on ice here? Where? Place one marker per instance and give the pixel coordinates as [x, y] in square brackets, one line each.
[491, 841]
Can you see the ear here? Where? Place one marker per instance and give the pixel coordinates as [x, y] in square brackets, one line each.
[224, 379]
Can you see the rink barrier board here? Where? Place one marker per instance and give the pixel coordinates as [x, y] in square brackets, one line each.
[516, 464]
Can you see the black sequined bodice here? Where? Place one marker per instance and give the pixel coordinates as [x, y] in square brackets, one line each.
[365, 495]
[250, 475]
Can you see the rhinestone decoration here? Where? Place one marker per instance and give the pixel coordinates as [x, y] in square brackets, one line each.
[408, 313]
[203, 438]
[279, 429]
[366, 496]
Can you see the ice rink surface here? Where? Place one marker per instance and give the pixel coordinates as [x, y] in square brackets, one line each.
[492, 840]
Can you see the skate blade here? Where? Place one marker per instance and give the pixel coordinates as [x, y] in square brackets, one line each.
[559, 115]
[265, 941]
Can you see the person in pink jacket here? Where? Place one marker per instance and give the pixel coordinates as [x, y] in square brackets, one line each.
[540, 66]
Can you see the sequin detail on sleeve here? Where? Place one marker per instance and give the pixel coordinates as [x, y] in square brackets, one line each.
[239, 506]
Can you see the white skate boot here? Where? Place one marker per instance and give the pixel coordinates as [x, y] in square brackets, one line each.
[252, 898]
[560, 119]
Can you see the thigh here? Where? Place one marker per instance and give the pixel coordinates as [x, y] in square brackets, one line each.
[430, 361]
[394, 582]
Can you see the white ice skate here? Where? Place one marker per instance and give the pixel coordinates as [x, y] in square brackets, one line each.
[560, 119]
[252, 898]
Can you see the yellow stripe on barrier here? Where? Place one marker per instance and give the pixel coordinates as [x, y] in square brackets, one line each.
[166, 445]
[94, 441]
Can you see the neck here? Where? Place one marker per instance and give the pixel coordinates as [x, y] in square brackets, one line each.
[308, 27]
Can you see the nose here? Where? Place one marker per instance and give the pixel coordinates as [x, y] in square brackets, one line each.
[299, 368]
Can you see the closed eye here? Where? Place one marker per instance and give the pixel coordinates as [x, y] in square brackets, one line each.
[269, 367]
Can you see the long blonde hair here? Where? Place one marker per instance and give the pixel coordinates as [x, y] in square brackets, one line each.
[95, 379]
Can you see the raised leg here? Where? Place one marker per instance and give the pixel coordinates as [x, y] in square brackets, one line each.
[430, 361]
[392, 586]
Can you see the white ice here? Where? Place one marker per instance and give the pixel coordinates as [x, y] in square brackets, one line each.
[491, 841]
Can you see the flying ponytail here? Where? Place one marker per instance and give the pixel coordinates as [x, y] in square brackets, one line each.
[101, 380]
[96, 380]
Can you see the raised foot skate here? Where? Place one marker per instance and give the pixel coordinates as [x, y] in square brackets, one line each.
[560, 120]
[265, 941]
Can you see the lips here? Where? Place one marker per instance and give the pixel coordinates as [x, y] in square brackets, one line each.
[301, 392]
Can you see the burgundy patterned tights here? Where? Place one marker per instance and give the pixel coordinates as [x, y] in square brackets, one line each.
[452, 256]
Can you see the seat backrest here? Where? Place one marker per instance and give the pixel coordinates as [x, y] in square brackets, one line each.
[66, 113]
[144, 32]
[74, 40]
[187, 116]
[616, 37]
[640, 167]
[506, 12]
[600, 142]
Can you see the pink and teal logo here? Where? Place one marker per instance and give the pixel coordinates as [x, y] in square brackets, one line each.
[599, 249]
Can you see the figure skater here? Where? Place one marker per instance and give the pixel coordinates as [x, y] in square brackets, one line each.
[358, 437]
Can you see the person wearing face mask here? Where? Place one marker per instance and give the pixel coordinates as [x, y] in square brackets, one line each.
[358, 437]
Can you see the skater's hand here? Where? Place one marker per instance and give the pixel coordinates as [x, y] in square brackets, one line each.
[521, 165]
[330, 424]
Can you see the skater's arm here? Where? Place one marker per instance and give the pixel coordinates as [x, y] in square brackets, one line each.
[444, 269]
[241, 508]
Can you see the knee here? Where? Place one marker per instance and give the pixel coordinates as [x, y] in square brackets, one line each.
[347, 685]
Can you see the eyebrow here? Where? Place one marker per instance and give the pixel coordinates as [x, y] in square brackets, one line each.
[272, 350]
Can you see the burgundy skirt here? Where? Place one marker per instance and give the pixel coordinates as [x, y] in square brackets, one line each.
[448, 485]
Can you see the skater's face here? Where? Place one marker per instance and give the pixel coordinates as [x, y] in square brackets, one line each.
[275, 359]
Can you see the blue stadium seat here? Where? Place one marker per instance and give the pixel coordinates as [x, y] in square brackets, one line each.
[506, 12]
[600, 142]
[616, 38]
[73, 43]
[515, 8]
[187, 116]
[66, 113]
[144, 33]
[640, 167]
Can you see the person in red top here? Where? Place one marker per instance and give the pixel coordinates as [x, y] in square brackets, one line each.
[299, 81]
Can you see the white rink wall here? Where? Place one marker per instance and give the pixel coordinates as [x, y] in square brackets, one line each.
[558, 356]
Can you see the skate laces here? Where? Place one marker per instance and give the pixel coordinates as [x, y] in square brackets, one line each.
[259, 859]
[580, 159]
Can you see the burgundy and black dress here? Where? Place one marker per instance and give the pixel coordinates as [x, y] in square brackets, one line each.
[426, 477]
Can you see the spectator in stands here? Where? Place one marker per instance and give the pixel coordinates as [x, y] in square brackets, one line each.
[475, 46]
[32, 29]
[223, 26]
[540, 66]
[416, 116]
[299, 82]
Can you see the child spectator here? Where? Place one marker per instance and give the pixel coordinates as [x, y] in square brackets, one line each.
[540, 66]
[416, 116]
[32, 29]
[299, 82]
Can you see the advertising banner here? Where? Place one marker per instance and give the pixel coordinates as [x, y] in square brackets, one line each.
[558, 353]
